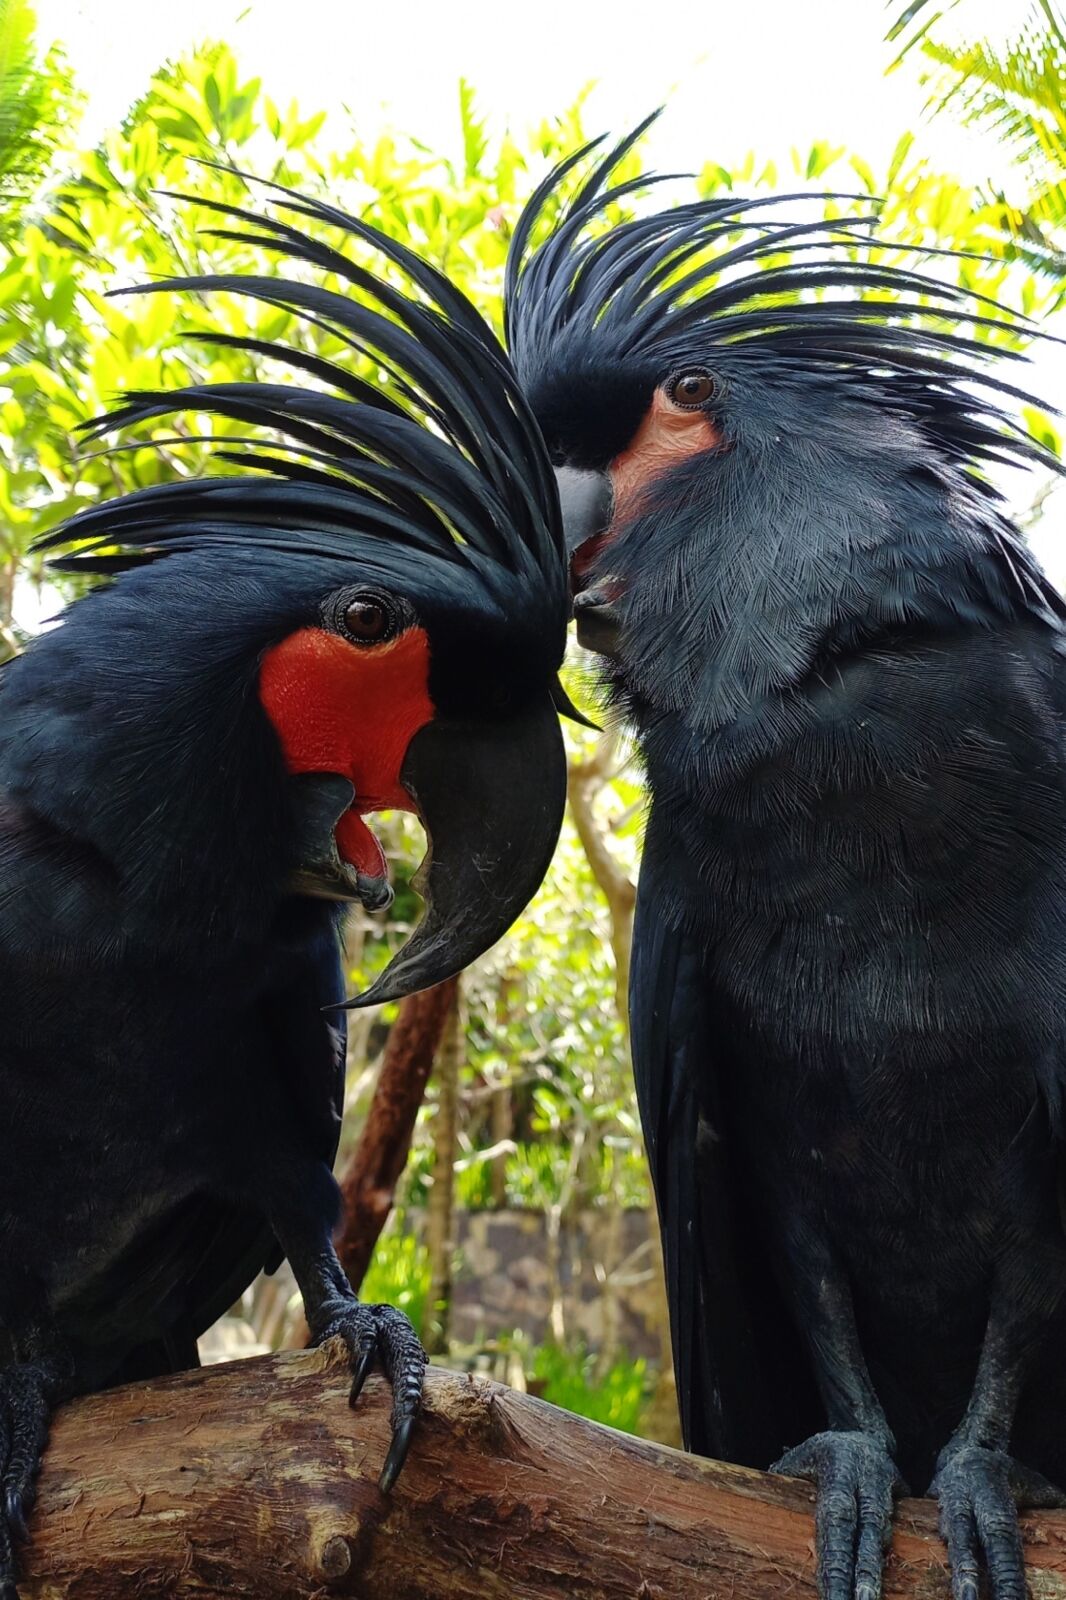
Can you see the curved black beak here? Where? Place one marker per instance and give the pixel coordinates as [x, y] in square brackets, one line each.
[491, 797]
[587, 501]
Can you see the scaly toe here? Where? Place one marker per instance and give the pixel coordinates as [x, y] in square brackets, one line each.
[857, 1484]
[977, 1489]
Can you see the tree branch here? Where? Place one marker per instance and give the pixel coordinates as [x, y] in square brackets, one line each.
[584, 781]
[256, 1479]
[369, 1181]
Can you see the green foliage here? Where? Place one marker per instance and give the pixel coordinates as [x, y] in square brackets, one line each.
[398, 1275]
[568, 1376]
[37, 106]
[1015, 87]
[108, 218]
[571, 1378]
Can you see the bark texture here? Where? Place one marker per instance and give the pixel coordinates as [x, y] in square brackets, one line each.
[256, 1479]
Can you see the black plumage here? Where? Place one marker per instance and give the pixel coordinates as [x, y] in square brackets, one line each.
[171, 1038]
[845, 670]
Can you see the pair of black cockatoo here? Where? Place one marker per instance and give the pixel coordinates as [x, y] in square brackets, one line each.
[844, 670]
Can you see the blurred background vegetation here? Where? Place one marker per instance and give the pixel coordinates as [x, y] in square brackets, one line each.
[520, 1237]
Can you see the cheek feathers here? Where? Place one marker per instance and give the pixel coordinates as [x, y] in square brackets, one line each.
[340, 708]
[666, 437]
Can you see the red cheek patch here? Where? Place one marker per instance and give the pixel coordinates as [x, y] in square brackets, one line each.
[667, 435]
[337, 707]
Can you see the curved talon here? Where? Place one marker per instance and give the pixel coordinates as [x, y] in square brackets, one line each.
[367, 1358]
[373, 1333]
[14, 1512]
[401, 1442]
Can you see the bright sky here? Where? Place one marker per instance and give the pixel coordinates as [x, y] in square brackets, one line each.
[759, 74]
[762, 74]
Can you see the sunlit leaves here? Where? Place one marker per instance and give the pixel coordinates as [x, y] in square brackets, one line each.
[1014, 86]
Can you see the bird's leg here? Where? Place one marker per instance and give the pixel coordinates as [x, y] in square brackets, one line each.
[333, 1310]
[851, 1462]
[39, 1375]
[978, 1484]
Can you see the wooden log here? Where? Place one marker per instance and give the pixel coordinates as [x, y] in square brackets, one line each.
[256, 1479]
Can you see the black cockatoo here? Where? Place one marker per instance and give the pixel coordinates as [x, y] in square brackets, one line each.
[846, 675]
[367, 609]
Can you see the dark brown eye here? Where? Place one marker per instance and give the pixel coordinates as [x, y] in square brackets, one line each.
[691, 390]
[369, 617]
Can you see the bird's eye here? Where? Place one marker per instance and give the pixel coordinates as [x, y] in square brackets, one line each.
[691, 390]
[368, 616]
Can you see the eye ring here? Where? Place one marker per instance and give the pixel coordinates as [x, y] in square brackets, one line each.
[692, 389]
[368, 617]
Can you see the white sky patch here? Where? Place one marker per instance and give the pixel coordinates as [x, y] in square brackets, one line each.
[764, 75]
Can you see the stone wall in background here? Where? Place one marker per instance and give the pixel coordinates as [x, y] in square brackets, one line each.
[504, 1277]
[594, 1283]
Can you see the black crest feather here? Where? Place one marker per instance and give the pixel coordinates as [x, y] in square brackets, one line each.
[445, 463]
[711, 275]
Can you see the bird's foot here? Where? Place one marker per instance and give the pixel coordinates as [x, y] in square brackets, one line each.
[857, 1482]
[372, 1332]
[980, 1493]
[27, 1394]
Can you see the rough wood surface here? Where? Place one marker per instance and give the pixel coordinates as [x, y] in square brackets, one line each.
[255, 1479]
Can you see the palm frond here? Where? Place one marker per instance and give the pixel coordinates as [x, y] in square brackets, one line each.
[1015, 88]
[36, 100]
[912, 21]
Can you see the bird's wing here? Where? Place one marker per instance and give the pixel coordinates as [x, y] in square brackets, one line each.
[185, 1273]
[744, 1383]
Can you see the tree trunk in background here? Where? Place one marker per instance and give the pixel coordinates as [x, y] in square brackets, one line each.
[440, 1209]
[257, 1479]
[584, 780]
[501, 1132]
[605, 1274]
[662, 1420]
[8, 642]
[368, 1183]
[501, 1107]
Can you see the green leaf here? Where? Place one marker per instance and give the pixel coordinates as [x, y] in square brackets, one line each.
[898, 157]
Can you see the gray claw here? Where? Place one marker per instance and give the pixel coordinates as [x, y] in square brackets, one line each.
[15, 1514]
[362, 1372]
[401, 1441]
[373, 1333]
